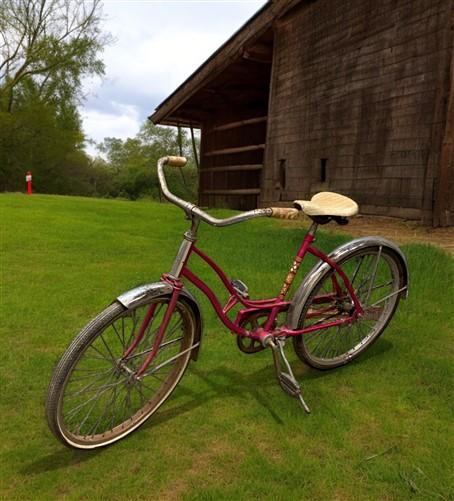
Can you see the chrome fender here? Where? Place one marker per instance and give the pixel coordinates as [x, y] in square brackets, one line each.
[143, 293]
[305, 288]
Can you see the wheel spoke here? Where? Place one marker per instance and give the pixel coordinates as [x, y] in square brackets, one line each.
[355, 273]
[103, 357]
[90, 375]
[120, 338]
[114, 409]
[85, 388]
[107, 348]
[386, 284]
[135, 321]
[77, 408]
[91, 389]
[101, 417]
[388, 296]
[138, 387]
[161, 346]
[374, 273]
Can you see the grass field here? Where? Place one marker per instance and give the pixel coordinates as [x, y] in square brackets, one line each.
[379, 429]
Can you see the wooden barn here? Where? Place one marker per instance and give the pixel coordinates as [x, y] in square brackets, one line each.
[352, 96]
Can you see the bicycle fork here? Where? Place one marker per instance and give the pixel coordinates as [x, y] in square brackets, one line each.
[284, 372]
[148, 319]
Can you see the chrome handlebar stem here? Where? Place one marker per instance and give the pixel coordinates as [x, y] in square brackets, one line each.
[192, 209]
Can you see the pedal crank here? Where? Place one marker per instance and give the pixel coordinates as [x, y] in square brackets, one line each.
[284, 372]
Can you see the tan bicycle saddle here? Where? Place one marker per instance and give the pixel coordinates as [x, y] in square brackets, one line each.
[327, 203]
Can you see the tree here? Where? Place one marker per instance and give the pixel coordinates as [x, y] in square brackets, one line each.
[46, 48]
[48, 45]
[33, 139]
[133, 163]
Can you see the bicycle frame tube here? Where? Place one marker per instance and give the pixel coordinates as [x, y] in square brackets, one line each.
[234, 298]
[272, 306]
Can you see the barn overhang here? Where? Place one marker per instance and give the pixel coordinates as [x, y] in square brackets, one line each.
[237, 74]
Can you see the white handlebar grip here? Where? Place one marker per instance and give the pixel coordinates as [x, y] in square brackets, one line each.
[176, 161]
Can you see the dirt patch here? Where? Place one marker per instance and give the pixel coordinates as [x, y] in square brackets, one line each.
[398, 230]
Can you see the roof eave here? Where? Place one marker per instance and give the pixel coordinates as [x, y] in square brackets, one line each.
[219, 60]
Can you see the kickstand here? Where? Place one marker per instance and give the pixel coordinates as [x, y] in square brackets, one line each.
[286, 380]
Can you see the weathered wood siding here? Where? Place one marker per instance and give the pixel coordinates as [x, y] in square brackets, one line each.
[232, 149]
[444, 188]
[357, 103]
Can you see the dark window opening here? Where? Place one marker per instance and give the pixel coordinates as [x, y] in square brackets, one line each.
[282, 174]
[323, 169]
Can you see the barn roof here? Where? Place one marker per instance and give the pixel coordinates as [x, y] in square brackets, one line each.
[190, 102]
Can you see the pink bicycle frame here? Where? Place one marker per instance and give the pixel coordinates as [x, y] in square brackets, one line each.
[272, 307]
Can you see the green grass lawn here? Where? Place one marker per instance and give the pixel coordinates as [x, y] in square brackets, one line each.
[379, 429]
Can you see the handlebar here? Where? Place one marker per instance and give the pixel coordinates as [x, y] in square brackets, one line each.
[192, 209]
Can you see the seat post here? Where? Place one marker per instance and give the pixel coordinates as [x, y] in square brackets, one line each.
[308, 239]
[312, 229]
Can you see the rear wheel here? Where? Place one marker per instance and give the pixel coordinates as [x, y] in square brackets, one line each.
[374, 273]
[93, 397]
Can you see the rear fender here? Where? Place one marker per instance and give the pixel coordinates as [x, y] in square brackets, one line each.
[304, 290]
[144, 293]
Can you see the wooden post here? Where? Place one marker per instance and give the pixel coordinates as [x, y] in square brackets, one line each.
[180, 148]
[180, 141]
[194, 149]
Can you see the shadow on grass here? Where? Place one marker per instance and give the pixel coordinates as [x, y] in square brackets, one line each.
[235, 384]
[222, 383]
[225, 382]
[61, 458]
[378, 349]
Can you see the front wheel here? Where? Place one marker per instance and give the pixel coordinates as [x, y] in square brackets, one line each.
[374, 273]
[93, 397]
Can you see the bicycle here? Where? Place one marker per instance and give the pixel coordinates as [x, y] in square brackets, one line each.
[127, 361]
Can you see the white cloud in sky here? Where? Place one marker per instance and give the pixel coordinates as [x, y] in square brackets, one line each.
[158, 45]
[122, 122]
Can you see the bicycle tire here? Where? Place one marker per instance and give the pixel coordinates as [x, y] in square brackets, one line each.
[116, 379]
[318, 348]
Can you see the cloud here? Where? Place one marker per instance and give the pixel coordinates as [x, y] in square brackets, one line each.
[159, 44]
[122, 122]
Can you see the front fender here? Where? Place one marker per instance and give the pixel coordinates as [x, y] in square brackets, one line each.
[304, 290]
[144, 293]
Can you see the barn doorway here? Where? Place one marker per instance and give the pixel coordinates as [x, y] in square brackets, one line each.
[234, 131]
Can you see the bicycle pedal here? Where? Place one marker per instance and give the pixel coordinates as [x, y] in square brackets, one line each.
[289, 385]
[240, 287]
[286, 380]
[292, 388]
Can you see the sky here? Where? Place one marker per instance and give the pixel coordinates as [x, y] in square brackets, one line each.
[158, 44]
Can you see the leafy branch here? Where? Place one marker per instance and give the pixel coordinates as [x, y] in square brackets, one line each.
[44, 40]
